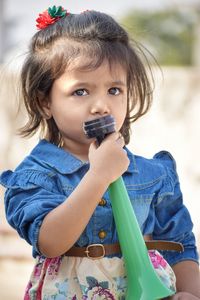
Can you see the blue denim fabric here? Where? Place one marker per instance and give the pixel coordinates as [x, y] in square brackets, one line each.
[49, 174]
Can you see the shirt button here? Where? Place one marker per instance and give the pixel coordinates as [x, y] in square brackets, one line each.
[102, 234]
[102, 202]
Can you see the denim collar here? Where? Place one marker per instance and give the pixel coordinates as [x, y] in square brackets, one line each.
[64, 162]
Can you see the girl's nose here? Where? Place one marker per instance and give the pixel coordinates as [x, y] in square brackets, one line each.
[100, 106]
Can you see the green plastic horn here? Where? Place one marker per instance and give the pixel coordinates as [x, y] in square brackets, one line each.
[143, 281]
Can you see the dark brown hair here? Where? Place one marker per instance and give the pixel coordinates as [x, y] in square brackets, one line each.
[53, 49]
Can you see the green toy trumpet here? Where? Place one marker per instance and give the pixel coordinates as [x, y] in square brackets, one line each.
[143, 281]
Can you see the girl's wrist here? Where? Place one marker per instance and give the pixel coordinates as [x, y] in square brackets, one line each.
[97, 179]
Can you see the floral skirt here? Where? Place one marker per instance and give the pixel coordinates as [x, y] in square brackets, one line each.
[80, 278]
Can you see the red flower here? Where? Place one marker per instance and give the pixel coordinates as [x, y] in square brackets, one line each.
[50, 16]
[44, 20]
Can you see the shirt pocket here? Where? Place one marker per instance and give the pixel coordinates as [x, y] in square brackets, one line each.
[141, 205]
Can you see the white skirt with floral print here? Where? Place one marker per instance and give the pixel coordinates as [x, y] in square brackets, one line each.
[78, 278]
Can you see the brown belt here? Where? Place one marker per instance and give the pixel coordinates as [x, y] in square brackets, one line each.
[96, 251]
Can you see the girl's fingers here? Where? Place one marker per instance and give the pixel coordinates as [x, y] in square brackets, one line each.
[115, 136]
[93, 146]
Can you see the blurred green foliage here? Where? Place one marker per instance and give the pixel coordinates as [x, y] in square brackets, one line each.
[169, 35]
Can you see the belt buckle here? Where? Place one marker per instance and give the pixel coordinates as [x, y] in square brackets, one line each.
[87, 251]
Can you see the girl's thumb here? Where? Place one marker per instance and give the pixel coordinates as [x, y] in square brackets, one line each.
[93, 146]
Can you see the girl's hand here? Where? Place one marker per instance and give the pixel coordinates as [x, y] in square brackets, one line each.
[109, 160]
[183, 296]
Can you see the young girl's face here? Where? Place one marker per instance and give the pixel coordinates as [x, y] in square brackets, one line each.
[79, 96]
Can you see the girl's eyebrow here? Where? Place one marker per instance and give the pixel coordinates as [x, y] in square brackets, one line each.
[118, 82]
[82, 83]
[90, 84]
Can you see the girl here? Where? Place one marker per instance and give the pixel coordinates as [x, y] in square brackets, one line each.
[81, 67]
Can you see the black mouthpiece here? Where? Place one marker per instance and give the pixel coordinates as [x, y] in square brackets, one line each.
[99, 128]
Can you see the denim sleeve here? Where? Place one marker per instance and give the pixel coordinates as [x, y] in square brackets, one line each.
[172, 218]
[28, 199]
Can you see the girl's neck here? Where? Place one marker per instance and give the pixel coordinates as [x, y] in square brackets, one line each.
[79, 152]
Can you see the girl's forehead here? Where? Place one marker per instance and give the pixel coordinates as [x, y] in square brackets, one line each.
[70, 55]
[84, 65]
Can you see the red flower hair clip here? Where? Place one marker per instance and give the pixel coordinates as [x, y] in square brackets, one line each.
[50, 16]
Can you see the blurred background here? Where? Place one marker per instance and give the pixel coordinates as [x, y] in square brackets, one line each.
[170, 30]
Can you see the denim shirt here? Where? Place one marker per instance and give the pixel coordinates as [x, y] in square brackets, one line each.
[49, 174]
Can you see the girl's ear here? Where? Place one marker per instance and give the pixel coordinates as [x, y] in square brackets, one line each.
[45, 108]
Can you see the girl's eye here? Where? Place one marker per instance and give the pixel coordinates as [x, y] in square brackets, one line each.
[80, 92]
[114, 91]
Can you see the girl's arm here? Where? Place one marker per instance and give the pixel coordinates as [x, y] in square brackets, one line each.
[173, 222]
[62, 227]
[187, 281]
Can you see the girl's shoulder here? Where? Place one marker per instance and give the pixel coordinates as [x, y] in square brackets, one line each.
[35, 169]
[161, 166]
[162, 159]
[46, 166]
